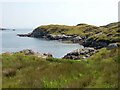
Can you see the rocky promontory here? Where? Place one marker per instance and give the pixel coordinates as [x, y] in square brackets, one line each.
[84, 34]
[89, 36]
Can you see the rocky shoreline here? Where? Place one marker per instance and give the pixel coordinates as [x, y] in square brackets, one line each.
[90, 47]
[82, 40]
[80, 53]
[91, 42]
[60, 37]
[77, 54]
[68, 38]
[31, 52]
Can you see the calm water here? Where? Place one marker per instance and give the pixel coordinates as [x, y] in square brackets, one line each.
[12, 43]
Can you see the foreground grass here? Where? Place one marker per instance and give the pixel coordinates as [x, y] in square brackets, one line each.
[99, 71]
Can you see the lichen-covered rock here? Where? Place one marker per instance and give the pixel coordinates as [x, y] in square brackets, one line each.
[38, 54]
[80, 53]
[27, 52]
[112, 46]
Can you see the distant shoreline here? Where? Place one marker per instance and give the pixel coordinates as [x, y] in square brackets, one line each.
[6, 29]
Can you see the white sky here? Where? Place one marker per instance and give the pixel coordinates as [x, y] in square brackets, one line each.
[33, 13]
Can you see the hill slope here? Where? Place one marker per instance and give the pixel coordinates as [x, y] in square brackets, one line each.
[108, 32]
[87, 35]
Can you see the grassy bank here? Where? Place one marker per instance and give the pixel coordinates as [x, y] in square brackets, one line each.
[108, 32]
[98, 71]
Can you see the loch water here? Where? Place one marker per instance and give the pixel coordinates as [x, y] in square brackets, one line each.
[10, 42]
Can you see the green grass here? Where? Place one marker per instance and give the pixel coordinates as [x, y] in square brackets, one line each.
[98, 71]
[109, 32]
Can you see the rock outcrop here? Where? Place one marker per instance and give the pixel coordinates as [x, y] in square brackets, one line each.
[58, 37]
[28, 52]
[38, 54]
[24, 35]
[112, 46]
[80, 53]
[95, 44]
[48, 54]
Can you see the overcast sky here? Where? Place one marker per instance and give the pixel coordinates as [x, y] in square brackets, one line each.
[33, 13]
